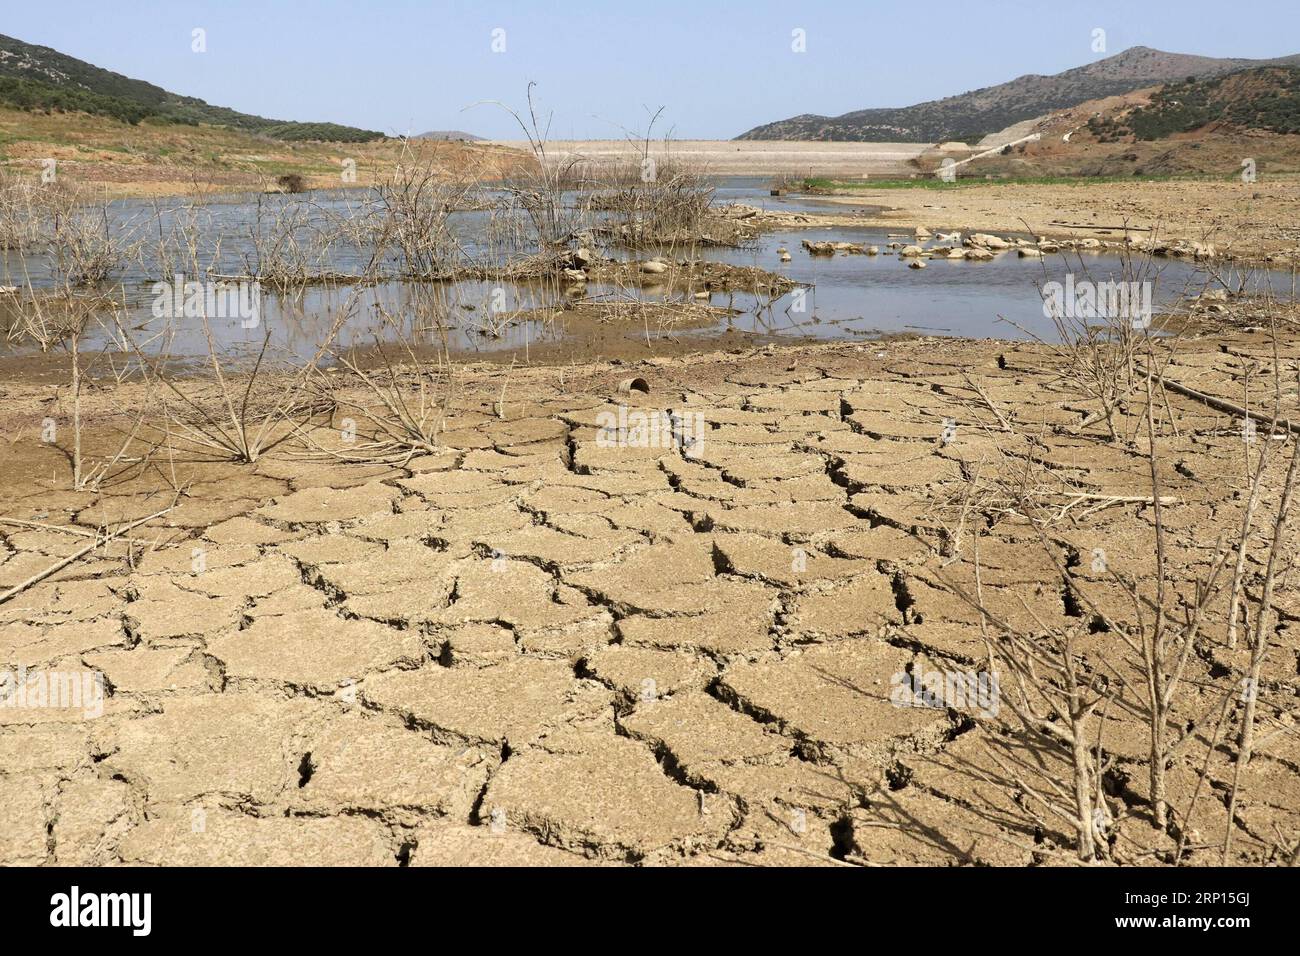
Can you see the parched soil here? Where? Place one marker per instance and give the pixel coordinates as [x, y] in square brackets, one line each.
[1241, 220]
[553, 643]
[170, 160]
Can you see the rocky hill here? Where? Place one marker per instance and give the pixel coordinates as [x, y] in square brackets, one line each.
[37, 78]
[972, 115]
[1262, 99]
[1185, 128]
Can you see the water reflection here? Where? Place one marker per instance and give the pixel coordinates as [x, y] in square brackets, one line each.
[840, 297]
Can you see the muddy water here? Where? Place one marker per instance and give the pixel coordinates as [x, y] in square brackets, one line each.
[841, 297]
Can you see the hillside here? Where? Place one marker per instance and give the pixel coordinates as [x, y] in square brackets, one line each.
[1264, 99]
[37, 78]
[972, 115]
[1188, 127]
[156, 158]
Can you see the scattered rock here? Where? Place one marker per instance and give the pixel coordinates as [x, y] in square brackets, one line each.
[830, 248]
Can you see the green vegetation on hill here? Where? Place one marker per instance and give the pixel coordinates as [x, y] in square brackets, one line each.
[39, 78]
[969, 116]
[31, 96]
[1265, 99]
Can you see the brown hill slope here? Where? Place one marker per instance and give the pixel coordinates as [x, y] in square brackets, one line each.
[979, 112]
[1190, 127]
[38, 78]
[156, 158]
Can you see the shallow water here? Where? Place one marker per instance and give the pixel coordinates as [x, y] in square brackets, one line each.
[840, 297]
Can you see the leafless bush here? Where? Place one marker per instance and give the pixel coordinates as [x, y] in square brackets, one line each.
[234, 406]
[1096, 352]
[413, 209]
[286, 247]
[74, 230]
[394, 399]
[61, 322]
[65, 319]
[663, 206]
[83, 245]
[1060, 683]
[20, 213]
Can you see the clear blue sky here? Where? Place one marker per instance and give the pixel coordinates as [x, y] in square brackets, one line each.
[717, 67]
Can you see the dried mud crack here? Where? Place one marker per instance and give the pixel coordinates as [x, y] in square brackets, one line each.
[538, 646]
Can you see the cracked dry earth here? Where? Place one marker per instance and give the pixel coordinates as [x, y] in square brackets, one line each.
[532, 648]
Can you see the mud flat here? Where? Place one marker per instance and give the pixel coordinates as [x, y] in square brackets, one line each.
[1256, 219]
[748, 158]
[547, 643]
